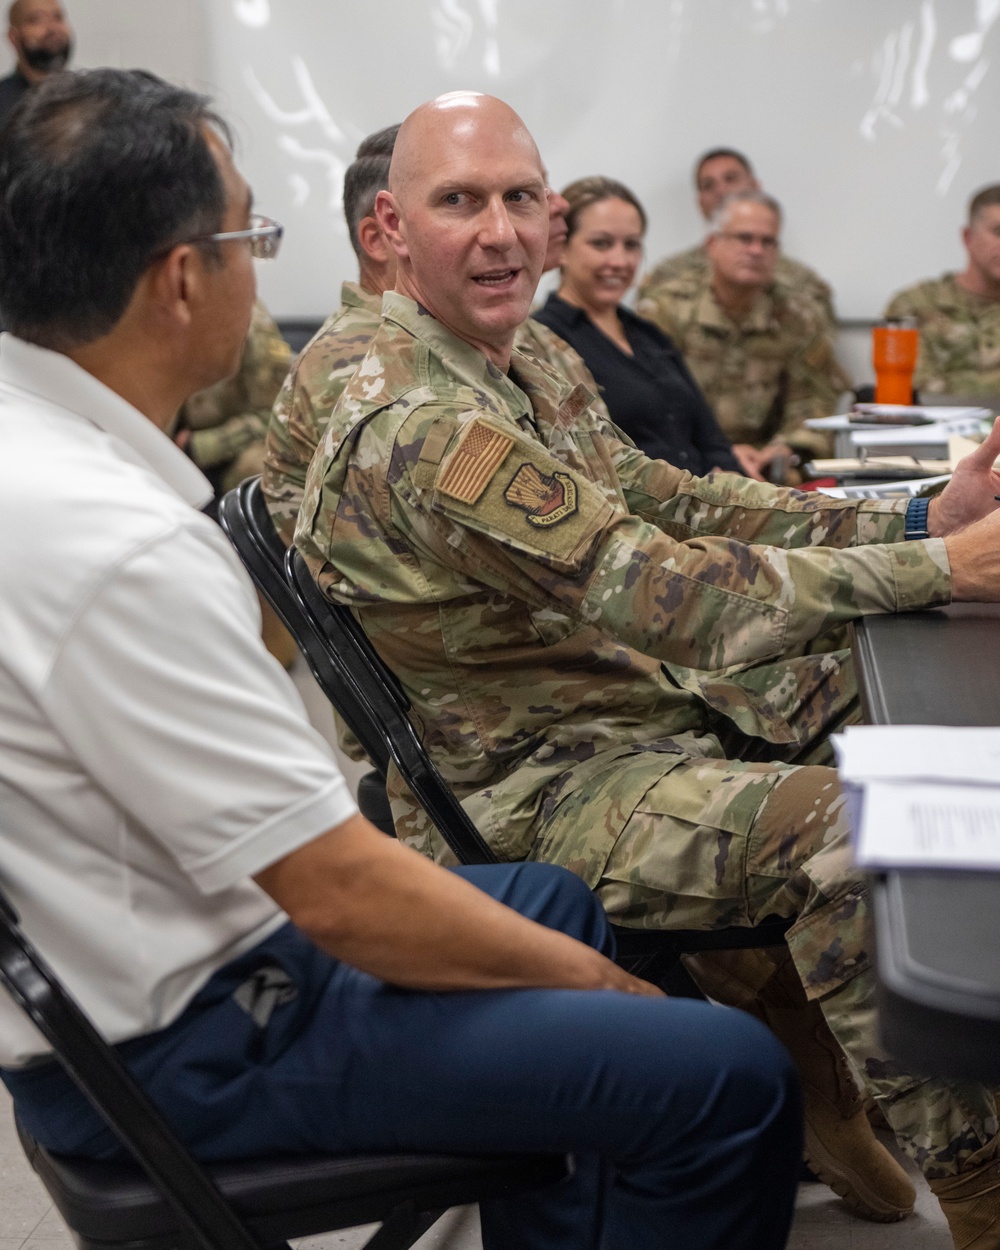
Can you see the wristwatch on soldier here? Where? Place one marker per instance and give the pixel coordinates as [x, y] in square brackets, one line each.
[915, 525]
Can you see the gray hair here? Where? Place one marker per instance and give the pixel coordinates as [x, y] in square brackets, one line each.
[719, 218]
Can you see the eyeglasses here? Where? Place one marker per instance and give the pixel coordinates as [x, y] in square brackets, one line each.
[264, 235]
[744, 238]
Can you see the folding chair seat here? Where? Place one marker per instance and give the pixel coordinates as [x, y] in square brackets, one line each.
[170, 1201]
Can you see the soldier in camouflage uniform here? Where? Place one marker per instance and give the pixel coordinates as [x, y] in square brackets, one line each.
[229, 420]
[762, 356]
[959, 314]
[330, 358]
[323, 369]
[791, 277]
[326, 364]
[611, 659]
[719, 173]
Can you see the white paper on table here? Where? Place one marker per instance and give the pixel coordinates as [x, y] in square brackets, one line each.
[889, 435]
[938, 753]
[908, 435]
[904, 825]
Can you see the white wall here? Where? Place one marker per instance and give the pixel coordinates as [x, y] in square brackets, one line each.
[872, 120]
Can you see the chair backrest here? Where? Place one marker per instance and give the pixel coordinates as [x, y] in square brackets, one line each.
[100, 1074]
[351, 652]
[244, 517]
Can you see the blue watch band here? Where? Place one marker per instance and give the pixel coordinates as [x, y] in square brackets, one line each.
[915, 525]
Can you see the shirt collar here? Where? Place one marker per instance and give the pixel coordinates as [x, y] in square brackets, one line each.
[569, 314]
[760, 318]
[55, 379]
[951, 295]
[466, 362]
[353, 295]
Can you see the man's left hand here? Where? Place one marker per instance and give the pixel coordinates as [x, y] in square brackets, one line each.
[970, 495]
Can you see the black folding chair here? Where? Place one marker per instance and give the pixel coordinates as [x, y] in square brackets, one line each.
[244, 517]
[347, 668]
[170, 1202]
[377, 695]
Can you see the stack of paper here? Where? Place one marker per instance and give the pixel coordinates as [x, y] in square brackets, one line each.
[883, 490]
[852, 438]
[887, 469]
[922, 796]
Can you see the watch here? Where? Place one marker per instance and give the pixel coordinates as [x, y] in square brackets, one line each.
[915, 525]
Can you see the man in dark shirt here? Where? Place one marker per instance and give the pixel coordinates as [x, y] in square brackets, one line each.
[43, 41]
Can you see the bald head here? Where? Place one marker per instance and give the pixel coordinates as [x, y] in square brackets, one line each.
[449, 127]
[467, 215]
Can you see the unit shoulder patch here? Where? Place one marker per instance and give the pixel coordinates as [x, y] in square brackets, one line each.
[547, 499]
[472, 465]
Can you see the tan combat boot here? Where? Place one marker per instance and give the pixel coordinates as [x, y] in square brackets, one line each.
[971, 1200]
[840, 1146]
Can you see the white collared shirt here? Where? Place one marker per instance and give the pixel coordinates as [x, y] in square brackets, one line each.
[153, 756]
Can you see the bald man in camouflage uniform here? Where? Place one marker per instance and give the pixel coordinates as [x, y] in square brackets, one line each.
[590, 637]
[718, 173]
[958, 315]
[327, 363]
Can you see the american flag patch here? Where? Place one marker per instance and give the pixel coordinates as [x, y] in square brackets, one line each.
[472, 464]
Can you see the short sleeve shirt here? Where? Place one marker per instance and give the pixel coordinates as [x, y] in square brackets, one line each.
[154, 757]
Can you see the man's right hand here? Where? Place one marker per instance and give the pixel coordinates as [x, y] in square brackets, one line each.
[974, 555]
[971, 494]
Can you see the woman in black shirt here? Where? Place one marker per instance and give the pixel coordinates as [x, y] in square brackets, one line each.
[646, 385]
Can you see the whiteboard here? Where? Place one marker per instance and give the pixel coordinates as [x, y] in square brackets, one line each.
[871, 120]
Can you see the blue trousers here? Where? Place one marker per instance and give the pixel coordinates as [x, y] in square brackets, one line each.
[684, 1117]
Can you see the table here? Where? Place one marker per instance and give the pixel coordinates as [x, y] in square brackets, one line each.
[937, 932]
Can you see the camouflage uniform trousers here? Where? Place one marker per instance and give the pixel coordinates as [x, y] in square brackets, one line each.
[720, 842]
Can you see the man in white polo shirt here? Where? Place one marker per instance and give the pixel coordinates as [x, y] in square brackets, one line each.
[278, 975]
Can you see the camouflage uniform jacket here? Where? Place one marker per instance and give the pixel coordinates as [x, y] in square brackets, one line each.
[547, 594]
[790, 276]
[228, 419]
[303, 407]
[763, 375]
[959, 337]
[311, 390]
[322, 371]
